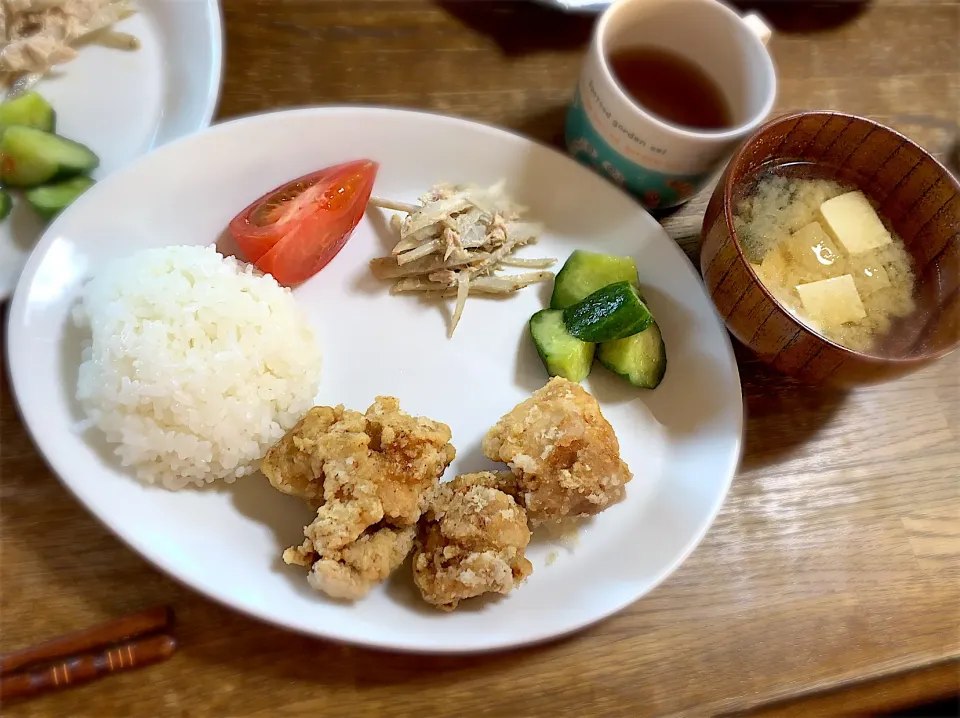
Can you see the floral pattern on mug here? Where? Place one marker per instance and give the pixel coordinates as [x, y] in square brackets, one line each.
[654, 189]
[582, 145]
[683, 189]
[613, 173]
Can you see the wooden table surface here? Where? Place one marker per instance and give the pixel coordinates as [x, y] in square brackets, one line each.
[834, 559]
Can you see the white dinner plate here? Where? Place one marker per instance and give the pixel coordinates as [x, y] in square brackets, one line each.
[682, 440]
[121, 104]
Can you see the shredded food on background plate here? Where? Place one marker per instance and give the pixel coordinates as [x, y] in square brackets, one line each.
[35, 35]
[453, 243]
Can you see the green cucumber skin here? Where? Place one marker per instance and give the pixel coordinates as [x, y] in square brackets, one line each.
[626, 358]
[28, 110]
[50, 200]
[585, 272]
[6, 204]
[28, 157]
[612, 312]
[545, 327]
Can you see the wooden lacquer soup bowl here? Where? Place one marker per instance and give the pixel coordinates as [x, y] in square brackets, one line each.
[915, 196]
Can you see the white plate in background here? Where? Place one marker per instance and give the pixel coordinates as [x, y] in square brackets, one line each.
[122, 104]
[579, 5]
[682, 440]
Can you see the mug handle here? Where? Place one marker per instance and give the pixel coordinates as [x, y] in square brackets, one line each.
[758, 27]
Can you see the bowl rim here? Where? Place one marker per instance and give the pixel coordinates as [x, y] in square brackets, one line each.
[727, 209]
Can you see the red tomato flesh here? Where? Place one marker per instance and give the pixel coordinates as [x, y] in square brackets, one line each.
[293, 231]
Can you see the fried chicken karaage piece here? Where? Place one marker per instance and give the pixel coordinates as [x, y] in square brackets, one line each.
[290, 463]
[368, 476]
[471, 541]
[350, 573]
[563, 453]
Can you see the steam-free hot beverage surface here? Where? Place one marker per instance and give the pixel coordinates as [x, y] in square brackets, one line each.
[671, 87]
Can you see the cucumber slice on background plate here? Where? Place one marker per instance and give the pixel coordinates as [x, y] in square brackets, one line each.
[641, 359]
[6, 204]
[51, 199]
[32, 157]
[561, 352]
[612, 312]
[29, 110]
[585, 272]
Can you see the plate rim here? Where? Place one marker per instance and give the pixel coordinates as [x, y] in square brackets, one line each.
[211, 103]
[16, 368]
[215, 88]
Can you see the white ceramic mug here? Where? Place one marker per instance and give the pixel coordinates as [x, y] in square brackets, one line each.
[661, 163]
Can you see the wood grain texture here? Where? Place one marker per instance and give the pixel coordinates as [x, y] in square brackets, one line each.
[913, 193]
[906, 693]
[835, 558]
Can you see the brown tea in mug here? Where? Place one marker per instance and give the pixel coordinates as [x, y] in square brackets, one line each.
[671, 87]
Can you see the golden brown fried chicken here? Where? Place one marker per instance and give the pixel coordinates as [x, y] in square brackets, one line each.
[290, 462]
[350, 573]
[563, 452]
[471, 541]
[367, 475]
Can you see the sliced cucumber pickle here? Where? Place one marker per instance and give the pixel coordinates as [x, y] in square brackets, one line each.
[6, 204]
[31, 157]
[612, 312]
[29, 110]
[641, 359]
[561, 352]
[585, 272]
[50, 199]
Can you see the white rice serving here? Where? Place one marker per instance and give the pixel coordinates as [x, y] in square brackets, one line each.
[196, 363]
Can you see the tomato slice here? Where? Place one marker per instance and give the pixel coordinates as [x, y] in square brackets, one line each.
[293, 231]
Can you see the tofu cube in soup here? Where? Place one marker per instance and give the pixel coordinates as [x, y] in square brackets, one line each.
[853, 222]
[832, 302]
[773, 269]
[871, 278]
[812, 250]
